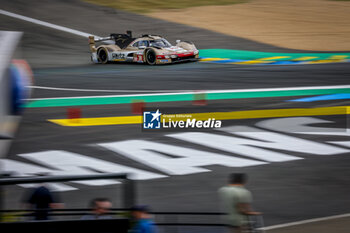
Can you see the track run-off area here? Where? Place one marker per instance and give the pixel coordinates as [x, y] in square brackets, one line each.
[226, 56]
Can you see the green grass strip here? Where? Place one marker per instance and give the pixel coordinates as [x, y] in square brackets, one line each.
[65, 102]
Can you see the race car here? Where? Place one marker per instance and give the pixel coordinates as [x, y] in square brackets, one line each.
[149, 49]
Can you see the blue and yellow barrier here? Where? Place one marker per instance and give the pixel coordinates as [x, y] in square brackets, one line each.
[242, 57]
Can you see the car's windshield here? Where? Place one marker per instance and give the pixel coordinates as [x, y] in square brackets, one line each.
[163, 43]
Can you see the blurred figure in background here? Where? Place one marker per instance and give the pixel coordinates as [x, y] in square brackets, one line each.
[143, 221]
[42, 200]
[100, 209]
[236, 202]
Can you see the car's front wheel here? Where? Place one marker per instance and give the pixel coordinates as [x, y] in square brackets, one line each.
[151, 57]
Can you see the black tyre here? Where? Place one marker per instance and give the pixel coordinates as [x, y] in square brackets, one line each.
[102, 56]
[151, 57]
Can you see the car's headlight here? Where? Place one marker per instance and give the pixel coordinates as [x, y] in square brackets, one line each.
[196, 52]
[173, 56]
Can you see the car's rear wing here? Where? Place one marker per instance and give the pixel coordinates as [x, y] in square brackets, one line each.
[122, 40]
[93, 40]
[100, 39]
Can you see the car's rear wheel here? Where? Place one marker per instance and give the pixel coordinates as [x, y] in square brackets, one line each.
[151, 57]
[102, 56]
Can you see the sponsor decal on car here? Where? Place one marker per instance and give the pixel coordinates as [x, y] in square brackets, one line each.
[138, 58]
[164, 60]
[118, 56]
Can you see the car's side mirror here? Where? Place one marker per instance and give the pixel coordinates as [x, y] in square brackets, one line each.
[178, 41]
[142, 47]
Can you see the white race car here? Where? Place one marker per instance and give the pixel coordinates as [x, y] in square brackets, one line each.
[148, 49]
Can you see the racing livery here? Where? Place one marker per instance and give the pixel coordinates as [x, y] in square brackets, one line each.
[150, 49]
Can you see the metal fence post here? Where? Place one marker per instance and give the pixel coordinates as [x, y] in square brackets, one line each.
[2, 196]
[129, 194]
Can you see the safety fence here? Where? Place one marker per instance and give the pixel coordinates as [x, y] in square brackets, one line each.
[65, 220]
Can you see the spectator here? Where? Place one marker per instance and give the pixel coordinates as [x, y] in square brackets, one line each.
[100, 208]
[143, 222]
[236, 202]
[42, 200]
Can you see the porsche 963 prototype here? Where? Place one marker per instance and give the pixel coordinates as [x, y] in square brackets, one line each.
[149, 49]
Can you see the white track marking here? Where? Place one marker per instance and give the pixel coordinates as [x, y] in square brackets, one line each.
[207, 92]
[343, 143]
[98, 90]
[305, 221]
[177, 160]
[72, 163]
[186, 161]
[301, 125]
[234, 145]
[46, 24]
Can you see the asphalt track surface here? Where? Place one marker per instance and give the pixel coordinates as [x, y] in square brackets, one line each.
[285, 192]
